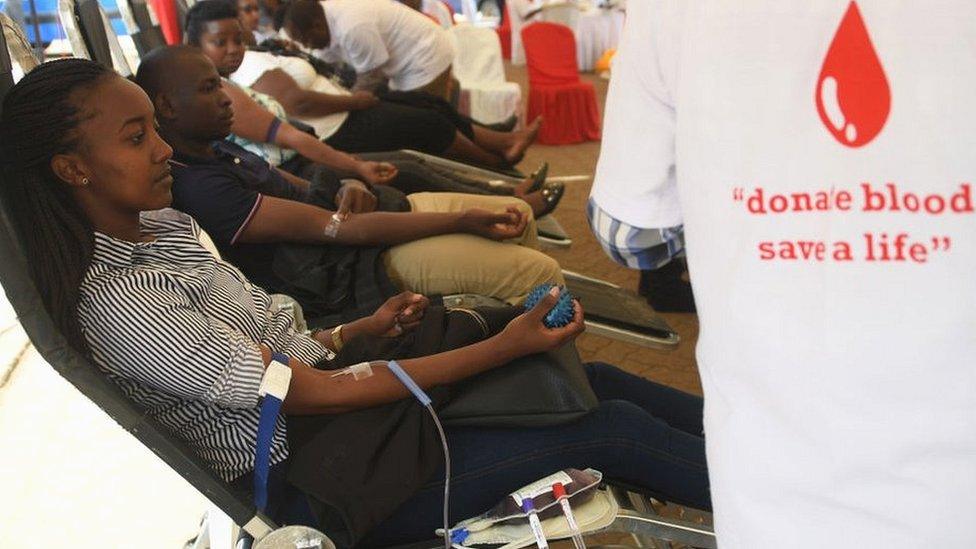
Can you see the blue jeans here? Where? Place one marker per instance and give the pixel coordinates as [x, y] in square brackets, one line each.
[644, 434]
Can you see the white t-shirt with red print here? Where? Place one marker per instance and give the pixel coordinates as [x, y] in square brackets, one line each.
[822, 157]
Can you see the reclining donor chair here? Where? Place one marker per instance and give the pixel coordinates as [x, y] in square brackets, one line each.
[141, 24]
[81, 24]
[233, 509]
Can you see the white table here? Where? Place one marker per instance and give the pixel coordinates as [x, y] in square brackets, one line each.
[597, 30]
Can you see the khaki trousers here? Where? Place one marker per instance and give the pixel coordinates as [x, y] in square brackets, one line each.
[464, 263]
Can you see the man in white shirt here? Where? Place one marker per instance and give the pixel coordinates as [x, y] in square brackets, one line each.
[434, 9]
[380, 39]
[819, 157]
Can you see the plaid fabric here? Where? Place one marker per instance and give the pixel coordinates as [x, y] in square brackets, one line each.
[634, 247]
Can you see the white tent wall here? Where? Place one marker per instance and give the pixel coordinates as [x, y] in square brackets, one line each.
[69, 475]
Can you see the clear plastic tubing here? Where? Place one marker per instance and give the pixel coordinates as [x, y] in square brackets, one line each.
[559, 492]
[540, 537]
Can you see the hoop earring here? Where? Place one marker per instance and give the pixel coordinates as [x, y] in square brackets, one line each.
[85, 181]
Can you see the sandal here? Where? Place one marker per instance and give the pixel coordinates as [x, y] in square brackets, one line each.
[552, 193]
[538, 177]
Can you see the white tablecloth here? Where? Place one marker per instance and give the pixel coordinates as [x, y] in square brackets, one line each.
[597, 30]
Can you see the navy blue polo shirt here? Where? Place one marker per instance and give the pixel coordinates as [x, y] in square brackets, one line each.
[223, 193]
[334, 283]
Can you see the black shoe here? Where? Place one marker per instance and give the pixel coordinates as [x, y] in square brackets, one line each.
[666, 290]
[552, 193]
[538, 178]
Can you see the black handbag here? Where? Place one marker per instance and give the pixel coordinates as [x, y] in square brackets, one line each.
[358, 467]
[532, 391]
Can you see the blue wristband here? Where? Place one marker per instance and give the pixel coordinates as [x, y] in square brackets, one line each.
[270, 407]
[273, 131]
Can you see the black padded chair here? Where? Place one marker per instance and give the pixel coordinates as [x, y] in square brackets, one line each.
[19, 47]
[141, 25]
[6, 69]
[90, 35]
[85, 377]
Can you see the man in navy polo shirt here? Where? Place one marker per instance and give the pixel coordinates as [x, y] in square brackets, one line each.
[276, 227]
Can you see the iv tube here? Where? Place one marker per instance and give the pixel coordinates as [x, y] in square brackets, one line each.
[559, 491]
[540, 537]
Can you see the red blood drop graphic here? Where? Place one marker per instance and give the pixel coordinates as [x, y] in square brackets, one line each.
[853, 98]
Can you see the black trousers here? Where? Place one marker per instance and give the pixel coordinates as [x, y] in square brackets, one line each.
[390, 127]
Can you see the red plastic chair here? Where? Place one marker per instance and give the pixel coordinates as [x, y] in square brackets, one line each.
[556, 92]
[504, 31]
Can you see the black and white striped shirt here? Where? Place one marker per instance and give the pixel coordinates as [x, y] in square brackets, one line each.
[178, 331]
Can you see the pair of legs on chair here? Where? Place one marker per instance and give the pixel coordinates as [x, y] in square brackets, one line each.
[643, 433]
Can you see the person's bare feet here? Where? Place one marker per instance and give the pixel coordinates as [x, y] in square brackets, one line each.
[522, 140]
[522, 189]
[536, 201]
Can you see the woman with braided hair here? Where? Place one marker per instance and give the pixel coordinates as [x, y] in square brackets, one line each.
[57, 236]
[187, 337]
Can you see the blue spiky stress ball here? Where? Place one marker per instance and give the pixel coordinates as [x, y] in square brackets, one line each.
[558, 316]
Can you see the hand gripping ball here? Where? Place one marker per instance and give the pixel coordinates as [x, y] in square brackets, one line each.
[558, 316]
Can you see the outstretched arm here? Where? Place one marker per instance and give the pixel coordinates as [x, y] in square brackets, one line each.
[256, 123]
[306, 103]
[318, 392]
[281, 220]
[307, 145]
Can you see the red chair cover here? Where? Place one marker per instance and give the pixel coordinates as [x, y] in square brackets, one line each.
[556, 92]
[169, 20]
[505, 35]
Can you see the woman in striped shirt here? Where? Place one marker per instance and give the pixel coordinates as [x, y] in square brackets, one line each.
[186, 336]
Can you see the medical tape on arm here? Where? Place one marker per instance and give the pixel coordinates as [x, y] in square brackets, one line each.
[358, 372]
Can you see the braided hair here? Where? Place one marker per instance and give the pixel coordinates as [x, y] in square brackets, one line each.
[39, 120]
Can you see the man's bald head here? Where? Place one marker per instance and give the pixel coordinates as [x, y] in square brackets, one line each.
[187, 92]
[167, 69]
